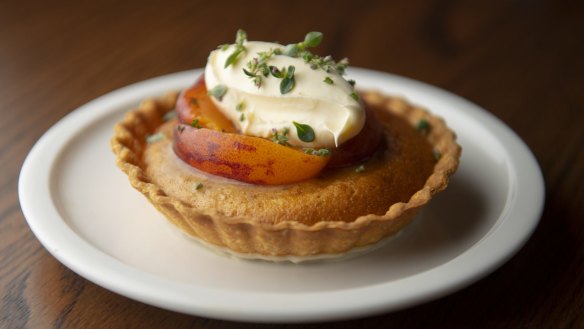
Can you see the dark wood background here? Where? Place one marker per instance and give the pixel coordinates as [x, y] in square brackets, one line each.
[520, 60]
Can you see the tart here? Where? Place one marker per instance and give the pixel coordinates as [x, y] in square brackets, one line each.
[348, 204]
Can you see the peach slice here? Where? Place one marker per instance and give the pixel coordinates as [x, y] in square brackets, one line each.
[245, 158]
[361, 147]
[194, 104]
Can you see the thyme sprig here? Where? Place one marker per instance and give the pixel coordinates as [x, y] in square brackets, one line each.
[280, 137]
[311, 40]
[218, 92]
[257, 67]
[288, 82]
[169, 116]
[155, 137]
[323, 152]
[240, 38]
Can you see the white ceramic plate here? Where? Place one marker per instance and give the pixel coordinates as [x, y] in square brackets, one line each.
[84, 211]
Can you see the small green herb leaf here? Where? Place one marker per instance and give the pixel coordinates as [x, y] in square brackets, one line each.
[305, 132]
[288, 82]
[355, 96]
[196, 124]
[290, 72]
[169, 116]
[328, 80]
[323, 152]
[249, 74]
[287, 85]
[198, 186]
[218, 92]
[240, 37]
[312, 39]
[233, 57]
[291, 50]
[423, 126]
[240, 106]
[155, 138]
[276, 73]
[242, 117]
[280, 137]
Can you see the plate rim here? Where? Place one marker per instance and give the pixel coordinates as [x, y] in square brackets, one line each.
[72, 250]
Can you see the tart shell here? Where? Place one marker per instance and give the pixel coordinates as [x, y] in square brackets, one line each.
[246, 235]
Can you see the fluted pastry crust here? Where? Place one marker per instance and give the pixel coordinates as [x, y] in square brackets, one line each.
[332, 214]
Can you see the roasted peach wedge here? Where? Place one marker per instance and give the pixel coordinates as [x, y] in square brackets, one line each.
[195, 107]
[361, 147]
[245, 158]
[207, 140]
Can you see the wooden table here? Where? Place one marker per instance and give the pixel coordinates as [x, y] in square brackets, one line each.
[520, 60]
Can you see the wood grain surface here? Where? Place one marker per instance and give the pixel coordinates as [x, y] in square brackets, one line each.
[520, 60]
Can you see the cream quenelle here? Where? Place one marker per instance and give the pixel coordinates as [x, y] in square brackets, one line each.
[266, 89]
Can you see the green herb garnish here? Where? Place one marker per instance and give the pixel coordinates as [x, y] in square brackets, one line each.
[169, 116]
[196, 124]
[328, 80]
[291, 50]
[240, 38]
[280, 137]
[240, 106]
[180, 129]
[198, 186]
[257, 67]
[423, 126]
[155, 138]
[233, 57]
[242, 117]
[323, 152]
[288, 81]
[277, 73]
[354, 96]
[311, 40]
[218, 92]
[305, 132]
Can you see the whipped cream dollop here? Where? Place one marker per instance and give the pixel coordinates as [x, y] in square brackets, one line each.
[323, 100]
